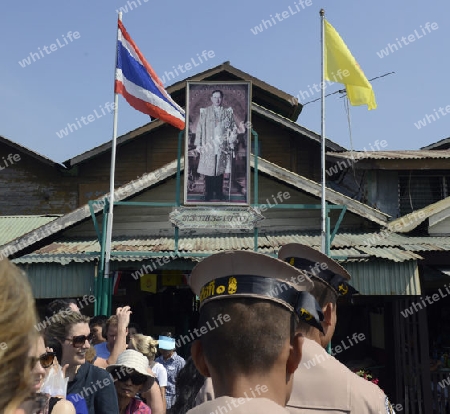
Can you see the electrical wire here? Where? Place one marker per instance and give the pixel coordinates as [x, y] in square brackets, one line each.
[343, 92]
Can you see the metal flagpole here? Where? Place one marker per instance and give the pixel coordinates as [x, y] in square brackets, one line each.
[106, 275]
[322, 133]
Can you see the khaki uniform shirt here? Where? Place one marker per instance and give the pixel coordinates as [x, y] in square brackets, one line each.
[231, 405]
[206, 393]
[321, 382]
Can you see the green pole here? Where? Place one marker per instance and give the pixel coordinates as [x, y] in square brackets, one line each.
[101, 268]
[256, 189]
[328, 230]
[103, 307]
[180, 141]
[178, 184]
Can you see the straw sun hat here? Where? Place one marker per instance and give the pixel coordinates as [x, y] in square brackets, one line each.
[133, 360]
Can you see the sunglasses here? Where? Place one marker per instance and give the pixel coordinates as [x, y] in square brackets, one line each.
[46, 360]
[79, 341]
[136, 378]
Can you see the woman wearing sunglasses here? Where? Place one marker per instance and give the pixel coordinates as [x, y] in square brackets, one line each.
[131, 375]
[90, 388]
[40, 359]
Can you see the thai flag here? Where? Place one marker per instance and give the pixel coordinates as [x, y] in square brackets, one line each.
[141, 87]
[117, 277]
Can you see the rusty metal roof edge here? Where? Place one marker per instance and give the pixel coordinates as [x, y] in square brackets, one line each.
[391, 155]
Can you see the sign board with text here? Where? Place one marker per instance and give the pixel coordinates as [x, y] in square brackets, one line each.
[225, 218]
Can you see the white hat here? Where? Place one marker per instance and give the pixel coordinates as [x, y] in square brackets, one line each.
[167, 343]
[134, 360]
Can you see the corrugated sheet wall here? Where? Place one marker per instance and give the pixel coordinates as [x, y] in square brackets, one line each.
[51, 280]
[384, 277]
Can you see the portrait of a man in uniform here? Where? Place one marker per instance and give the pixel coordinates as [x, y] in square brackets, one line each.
[217, 141]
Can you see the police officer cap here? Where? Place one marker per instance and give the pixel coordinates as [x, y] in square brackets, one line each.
[318, 265]
[233, 274]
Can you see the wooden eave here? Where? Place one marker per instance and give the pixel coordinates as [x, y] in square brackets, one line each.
[434, 212]
[315, 189]
[287, 123]
[152, 126]
[26, 151]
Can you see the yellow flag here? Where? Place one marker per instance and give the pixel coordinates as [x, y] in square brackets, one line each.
[342, 67]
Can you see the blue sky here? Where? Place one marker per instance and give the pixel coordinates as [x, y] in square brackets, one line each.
[74, 77]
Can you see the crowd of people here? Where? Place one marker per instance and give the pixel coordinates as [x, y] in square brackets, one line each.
[277, 313]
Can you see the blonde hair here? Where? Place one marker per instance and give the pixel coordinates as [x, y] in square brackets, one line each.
[17, 336]
[146, 345]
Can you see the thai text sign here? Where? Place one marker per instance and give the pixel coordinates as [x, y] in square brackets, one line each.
[225, 218]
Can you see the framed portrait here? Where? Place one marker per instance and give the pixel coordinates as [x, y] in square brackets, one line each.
[217, 144]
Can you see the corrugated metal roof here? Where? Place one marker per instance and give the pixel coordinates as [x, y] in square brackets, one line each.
[393, 254]
[345, 246]
[385, 278]
[12, 227]
[391, 155]
[47, 281]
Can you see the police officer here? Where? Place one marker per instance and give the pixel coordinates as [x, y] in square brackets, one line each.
[330, 385]
[250, 307]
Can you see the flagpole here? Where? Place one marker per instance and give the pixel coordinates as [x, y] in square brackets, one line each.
[109, 225]
[322, 134]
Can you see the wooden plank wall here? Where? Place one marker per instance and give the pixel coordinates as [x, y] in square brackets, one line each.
[151, 221]
[135, 158]
[30, 186]
[287, 149]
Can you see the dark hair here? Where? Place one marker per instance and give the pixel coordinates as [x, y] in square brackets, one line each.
[187, 385]
[99, 320]
[135, 326]
[217, 91]
[323, 292]
[168, 334]
[58, 305]
[237, 346]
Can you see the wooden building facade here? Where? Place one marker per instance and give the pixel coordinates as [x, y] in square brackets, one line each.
[152, 260]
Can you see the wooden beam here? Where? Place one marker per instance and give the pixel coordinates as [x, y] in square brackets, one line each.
[315, 189]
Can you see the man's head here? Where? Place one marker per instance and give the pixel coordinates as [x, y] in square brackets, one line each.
[133, 329]
[98, 328]
[253, 294]
[111, 330]
[166, 344]
[217, 98]
[330, 281]
[61, 304]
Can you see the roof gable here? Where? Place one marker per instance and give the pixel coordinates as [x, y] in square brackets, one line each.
[156, 124]
[443, 144]
[33, 154]
[263, 94]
